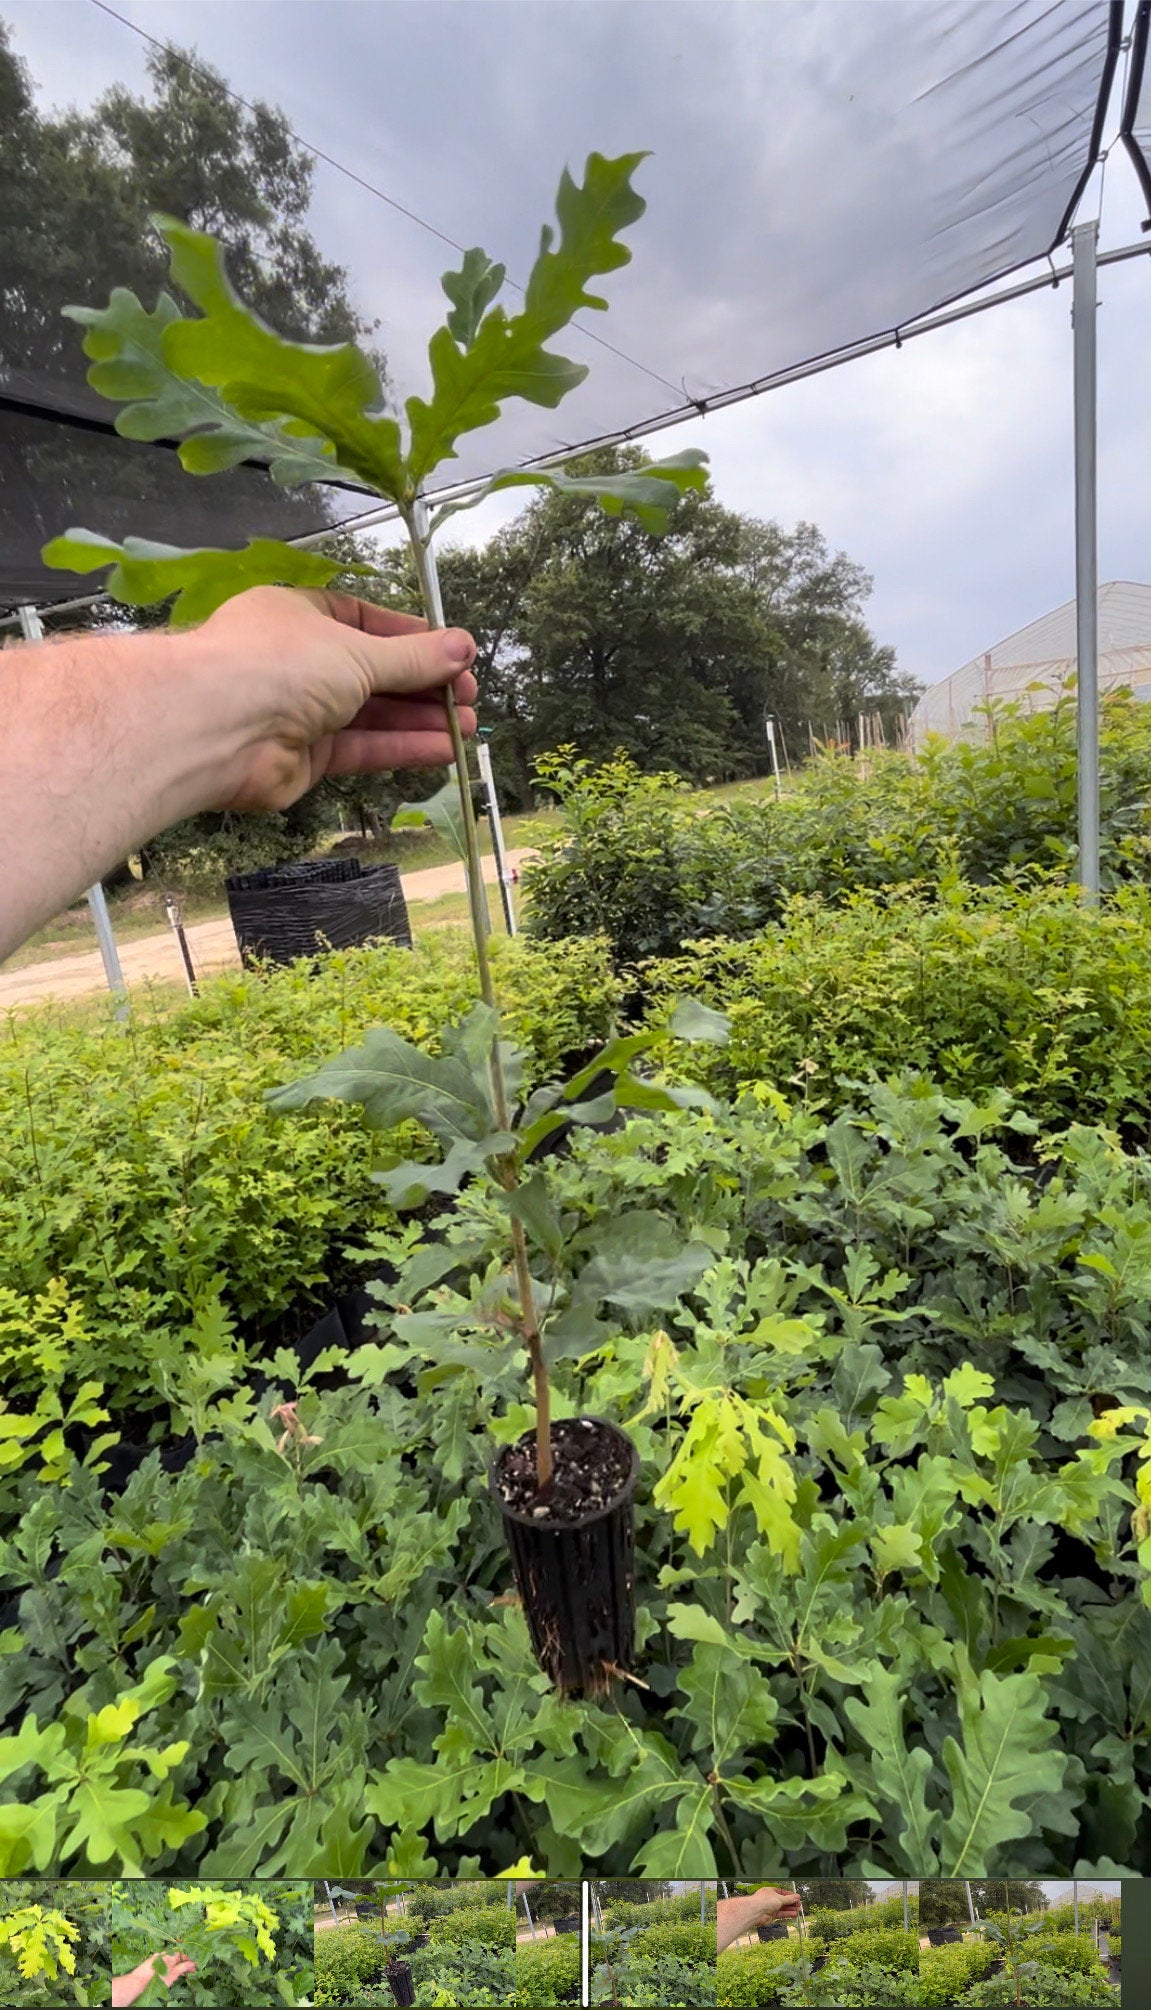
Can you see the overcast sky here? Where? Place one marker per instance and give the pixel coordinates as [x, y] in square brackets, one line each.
[820, 168]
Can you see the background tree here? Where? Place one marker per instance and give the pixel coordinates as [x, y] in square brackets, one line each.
[833, 1894]
[594, 634]
[79, 187]
[943, 1901]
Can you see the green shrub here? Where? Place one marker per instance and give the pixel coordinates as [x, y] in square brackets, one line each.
[946, 1973]
[678, 1939]
[883, 1947]
[1047, 1988]
[548, 1971]
[475, 1925]
[1115, 1946]
[649, 867]
[748, 1976]
[1027, 991]
[346, 1957]
[473, 1975]
[1069, 1953]
[149, 1201]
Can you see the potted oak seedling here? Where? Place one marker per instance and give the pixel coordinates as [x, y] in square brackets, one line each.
[236, 391]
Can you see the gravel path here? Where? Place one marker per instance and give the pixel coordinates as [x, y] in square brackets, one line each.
[212, 945]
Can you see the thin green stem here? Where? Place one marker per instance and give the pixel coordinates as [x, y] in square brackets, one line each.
[507, 1165]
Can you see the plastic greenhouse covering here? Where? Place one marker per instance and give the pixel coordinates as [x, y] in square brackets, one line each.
[819, 173]
[1035, 666]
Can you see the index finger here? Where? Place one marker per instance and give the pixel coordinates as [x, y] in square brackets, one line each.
[366, 616]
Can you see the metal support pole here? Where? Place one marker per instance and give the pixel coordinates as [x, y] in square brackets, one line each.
[769, 728]
[970, 1906]
[905, 1914]
[702, 1903]
[332, 1903]
[1084, 241]
[528, 1910]
[585, 1933]
[1075, 1900]
[484, 757]
[33, 631]
[172, 910]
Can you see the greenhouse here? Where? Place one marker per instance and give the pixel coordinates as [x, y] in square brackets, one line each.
[1037, 666]
[603, 1334]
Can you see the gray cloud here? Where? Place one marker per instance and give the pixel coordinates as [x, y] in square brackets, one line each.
[818, 171]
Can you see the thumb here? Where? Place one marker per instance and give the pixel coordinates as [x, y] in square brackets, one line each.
[406, 663]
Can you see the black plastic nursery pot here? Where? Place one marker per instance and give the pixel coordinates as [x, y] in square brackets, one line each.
[575, 1570]
[942, 1936]
[400, 1982]
[776, 1931]
[569, 1924]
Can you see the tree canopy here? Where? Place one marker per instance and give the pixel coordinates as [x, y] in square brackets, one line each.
[596, 634]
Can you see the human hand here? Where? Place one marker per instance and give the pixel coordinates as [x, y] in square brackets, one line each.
[305, 685]
[736, 1916]
[126, 1988]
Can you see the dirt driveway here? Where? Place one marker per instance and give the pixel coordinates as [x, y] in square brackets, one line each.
[212, 945]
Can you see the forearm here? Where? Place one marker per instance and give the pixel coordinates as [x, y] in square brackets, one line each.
[106, 741]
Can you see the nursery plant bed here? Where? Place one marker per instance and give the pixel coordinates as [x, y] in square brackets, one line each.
[573, 1549]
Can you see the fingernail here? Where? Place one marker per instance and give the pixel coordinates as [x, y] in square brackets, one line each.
[458, 647]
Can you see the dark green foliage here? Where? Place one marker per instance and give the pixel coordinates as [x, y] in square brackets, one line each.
[916, 1316]
[944, 1901]
[977, 811]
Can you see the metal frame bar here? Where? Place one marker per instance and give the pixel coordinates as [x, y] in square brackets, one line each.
[1084, 241]
[893, 338]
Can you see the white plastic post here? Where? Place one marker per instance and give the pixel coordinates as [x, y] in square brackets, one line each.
[1084, 242]
[970, 1906]
[33, 630]
[420, 526]
[585, 1928]
[769, 728]
[484, 758]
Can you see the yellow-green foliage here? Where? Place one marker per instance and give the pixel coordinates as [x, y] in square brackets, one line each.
[678, 1939]
[346, 1956]
[946, 1973]
[483, 1926]
[148, 1198]
[42, 1941]
[548, 1971]
[747, 1977]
